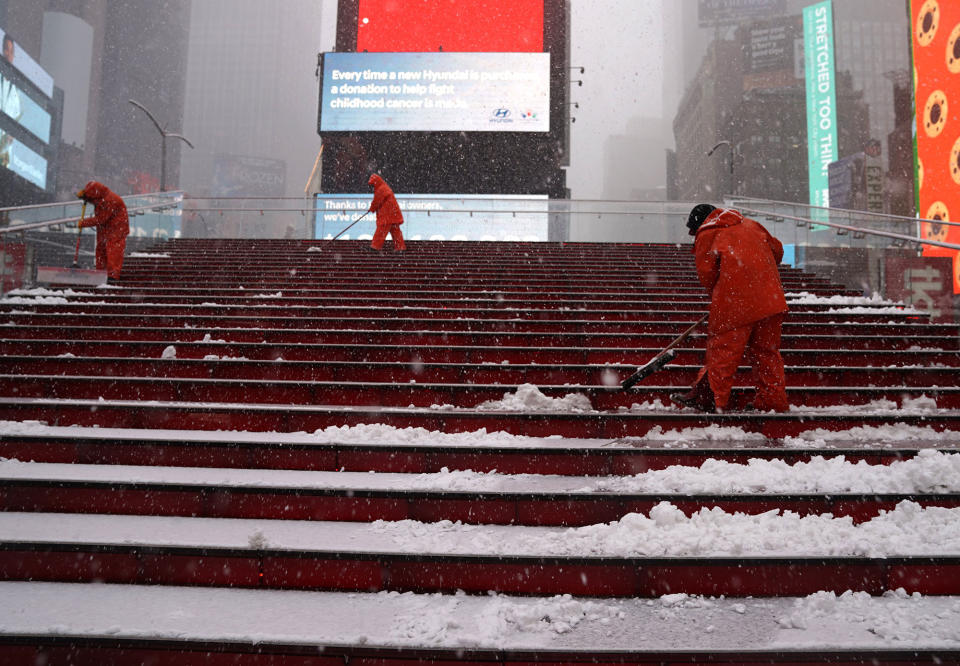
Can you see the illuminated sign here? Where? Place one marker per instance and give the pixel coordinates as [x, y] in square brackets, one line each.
[14, 54]
[478, 25]
[440, 216]
[936, 59]
[19, 106]
[22, 161]
[725, 12]
[435, 92]
[819, 60]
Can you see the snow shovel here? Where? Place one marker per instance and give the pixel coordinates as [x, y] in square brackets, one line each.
[83, 214]
[657, 362]
[350, 225]
[72, 275]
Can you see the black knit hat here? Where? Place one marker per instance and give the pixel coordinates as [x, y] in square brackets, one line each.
[697, 216]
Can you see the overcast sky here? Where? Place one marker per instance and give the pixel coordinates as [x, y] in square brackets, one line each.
[621, 46]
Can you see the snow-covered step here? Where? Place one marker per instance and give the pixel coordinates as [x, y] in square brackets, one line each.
[102, 623]
[711, 553]
[384, 448]
[257, 334]
[605, 400]
[820, 486]
[216, 366]
[198, 349]
[424, 322]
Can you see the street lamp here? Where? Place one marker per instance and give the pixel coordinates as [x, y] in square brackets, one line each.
[163, 148]
[730, 146]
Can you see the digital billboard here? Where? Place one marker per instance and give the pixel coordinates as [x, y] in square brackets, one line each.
[478, 25]
[819, 61]
[20, 107]
[725, 12]
[435, 92]
[26, 163]
[440, 216]
[26, 115]
[248, 176]
[30, 68]
[936, 60]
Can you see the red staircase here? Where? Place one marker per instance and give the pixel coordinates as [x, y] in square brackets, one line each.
[253, 346]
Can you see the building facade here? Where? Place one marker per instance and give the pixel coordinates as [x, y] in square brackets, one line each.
[101, 54]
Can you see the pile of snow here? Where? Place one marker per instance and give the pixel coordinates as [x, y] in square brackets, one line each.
[375, 433]
[908, 530]
[42, 296]
[895, 619]
[930, 471]
[922, 404]
[528, 398]
[874, 304]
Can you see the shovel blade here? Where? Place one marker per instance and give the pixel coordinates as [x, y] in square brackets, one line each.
[79, 276]
[652, 366]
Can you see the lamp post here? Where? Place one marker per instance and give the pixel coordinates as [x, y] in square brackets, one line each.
[163, 147]
[729, 145]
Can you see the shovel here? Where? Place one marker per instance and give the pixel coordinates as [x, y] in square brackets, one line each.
[83, 213]
[661, 359]
[73, 275]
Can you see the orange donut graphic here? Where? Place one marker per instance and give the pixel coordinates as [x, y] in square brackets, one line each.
[953, 50]
[935, 231]
[935, 113]
[927, 22]
[955, 162]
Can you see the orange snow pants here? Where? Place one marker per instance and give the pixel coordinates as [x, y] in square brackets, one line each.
[381, 235]
[109, 254]
[759, 344]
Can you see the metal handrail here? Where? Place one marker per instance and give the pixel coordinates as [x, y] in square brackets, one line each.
[895, 218]
[166, 195]
[873, 232]
[29, 226]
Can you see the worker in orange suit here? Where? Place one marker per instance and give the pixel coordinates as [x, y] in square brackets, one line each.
[112, 223]
[737, 262]
[389, 217]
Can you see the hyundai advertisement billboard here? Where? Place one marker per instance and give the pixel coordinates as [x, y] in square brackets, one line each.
[435, 92]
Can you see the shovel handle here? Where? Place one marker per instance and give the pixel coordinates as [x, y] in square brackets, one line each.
[83, 213]
[652, 365]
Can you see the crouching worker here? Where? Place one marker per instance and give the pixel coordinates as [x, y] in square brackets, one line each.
[389, 217]
[736, 260]
[112, 225]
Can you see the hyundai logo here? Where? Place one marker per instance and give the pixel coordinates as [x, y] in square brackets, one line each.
[501, 113]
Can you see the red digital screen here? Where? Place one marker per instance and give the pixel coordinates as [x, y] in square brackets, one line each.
[936, 60]
[492, 26]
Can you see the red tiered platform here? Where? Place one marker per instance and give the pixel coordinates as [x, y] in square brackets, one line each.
[251, 346]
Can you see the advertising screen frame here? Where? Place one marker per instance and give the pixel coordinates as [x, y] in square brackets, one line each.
[390, 78]
[521, 217]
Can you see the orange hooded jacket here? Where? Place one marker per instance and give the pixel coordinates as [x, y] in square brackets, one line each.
[737, 262]
[111, 212]
[388, 210]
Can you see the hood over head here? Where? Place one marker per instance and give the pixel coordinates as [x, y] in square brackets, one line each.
[93, 191]
[697, 216]
[721, 217]
[374, 180]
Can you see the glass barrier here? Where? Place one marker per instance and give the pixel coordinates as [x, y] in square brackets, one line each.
[856, 249]
[37, 245]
